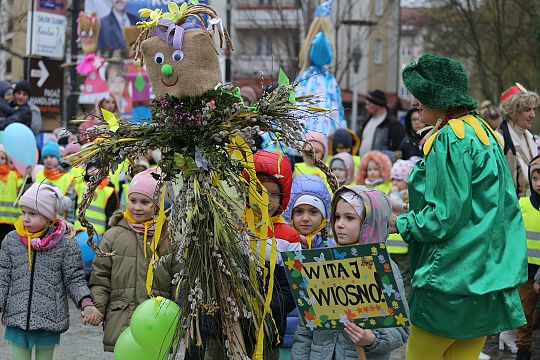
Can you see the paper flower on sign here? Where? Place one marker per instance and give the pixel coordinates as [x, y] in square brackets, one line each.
[111, 120]
[401, 320]
[388, 289]
[298, 256]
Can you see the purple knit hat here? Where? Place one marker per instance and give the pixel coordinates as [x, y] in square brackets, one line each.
[46, 200]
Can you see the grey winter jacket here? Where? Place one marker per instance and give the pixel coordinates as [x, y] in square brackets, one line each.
[36, 299]
[330, 345]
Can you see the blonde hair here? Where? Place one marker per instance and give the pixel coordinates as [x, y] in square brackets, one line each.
[521, 101]
[319, 24]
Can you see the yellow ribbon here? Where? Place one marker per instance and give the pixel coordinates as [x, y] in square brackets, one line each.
[155, 240]
[258, 198]
[310, 236]
[22, 231]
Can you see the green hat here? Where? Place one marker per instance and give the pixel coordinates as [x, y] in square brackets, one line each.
[438, 82]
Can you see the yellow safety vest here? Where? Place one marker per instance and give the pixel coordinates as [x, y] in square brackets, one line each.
[96, 211]
[384, 187]
[114, 176]
[63, 182]
[531, 220]
[125, 191]
[78, 174]
[396, 245]
[9, 213]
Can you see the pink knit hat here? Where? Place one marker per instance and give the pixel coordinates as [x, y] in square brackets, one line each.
[318, 140]
[145, 183]
[46, 200]
[72, 148]
[401, 170]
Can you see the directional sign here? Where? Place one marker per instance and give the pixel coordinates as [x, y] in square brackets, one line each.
[46, 80]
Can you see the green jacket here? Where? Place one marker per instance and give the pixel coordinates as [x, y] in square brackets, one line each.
[118, 283]
[466, 237]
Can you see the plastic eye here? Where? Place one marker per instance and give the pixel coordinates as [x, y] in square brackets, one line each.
[177, 55]
[159, 58]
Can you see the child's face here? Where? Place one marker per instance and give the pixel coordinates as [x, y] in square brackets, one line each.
[535, 179]
[341, 148]
[109, 104]
[306, 219]
[399, 184]
[141, 207]
[50, 162]
[32, 221]
[340, 172]
[373, 172]
[117, 84]
[8, 96]
[347, 224]
[3, 158]
[274, 196]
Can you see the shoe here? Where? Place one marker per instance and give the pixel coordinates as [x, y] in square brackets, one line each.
[483, 356]
[508, 339]
[523, 354]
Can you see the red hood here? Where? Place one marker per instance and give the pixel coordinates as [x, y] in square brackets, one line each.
[266, 164]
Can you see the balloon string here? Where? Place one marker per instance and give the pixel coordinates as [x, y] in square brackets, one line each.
[21, 190]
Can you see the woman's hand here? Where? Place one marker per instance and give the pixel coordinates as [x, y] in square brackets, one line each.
[359, 336]
[91, 315]
[393, 228]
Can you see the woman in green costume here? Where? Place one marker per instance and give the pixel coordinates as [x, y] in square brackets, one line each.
[464, 229]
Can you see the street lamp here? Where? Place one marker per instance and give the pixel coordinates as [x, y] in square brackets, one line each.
[356, 57]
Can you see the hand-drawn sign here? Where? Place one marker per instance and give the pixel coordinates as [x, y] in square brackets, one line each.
[335, 286]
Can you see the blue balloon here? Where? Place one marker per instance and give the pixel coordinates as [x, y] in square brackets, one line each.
[20, 143]
[86, 251]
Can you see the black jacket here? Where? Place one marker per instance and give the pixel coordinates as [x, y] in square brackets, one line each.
[388, 135]
[22, 115]
[410, 146]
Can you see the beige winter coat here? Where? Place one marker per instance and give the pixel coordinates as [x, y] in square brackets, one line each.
[118, 283]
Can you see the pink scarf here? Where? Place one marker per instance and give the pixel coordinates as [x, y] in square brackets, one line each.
[48, 241]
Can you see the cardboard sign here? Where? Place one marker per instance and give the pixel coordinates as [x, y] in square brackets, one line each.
[334, 286]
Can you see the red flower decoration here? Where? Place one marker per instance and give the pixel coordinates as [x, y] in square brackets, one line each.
[298, 265]
[308, 315]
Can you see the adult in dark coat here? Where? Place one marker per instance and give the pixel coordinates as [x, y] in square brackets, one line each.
[111, 34]
[21, 109]
[410, 146]
[381, 130]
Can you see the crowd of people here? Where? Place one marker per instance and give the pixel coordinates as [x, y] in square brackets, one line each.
[445, 187]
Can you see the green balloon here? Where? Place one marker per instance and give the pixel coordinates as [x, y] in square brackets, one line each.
[127, 348]
[154, 321]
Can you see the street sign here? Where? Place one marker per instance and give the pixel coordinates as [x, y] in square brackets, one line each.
[46, 81]
[46, 34]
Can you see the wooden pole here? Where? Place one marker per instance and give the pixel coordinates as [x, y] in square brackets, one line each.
[360, 352]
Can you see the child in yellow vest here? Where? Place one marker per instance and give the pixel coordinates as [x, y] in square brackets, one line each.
[9, 185]
[104, 204]
[374, 171]
[55, 175]
[528, 292]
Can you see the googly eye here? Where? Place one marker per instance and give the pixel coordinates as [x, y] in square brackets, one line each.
[177, 55]
[159, 58]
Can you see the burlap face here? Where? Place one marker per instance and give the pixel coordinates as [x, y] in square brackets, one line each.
[194, 75]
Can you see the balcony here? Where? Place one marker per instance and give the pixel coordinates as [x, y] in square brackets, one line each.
[250, 66]
[267, 15]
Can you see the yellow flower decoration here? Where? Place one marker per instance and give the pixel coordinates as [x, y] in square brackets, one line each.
[290, 263]
[374, 251]
[382, 246]
[175, 12]
[372, 322]
[154, 16]
[395, 304]
[317, 322]
[401, 320]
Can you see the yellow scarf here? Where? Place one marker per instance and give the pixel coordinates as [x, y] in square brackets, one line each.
[310, 236]
[22, 231]
[158, 222]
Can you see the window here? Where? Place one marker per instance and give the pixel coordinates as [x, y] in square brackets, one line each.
[264, 45]
[377, 52]
[379, 7]
[406, 52]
